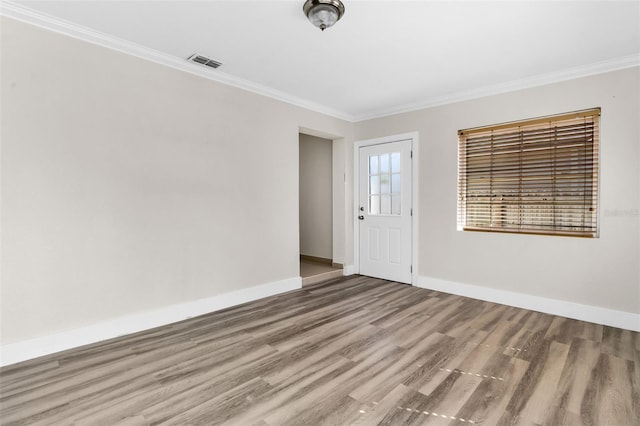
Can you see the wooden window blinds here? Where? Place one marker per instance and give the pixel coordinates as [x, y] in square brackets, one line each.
[535, 176]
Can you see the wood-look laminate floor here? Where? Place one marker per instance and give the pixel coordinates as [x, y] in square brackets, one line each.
[356, 351]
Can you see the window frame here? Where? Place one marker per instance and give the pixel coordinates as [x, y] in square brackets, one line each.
[503, 155]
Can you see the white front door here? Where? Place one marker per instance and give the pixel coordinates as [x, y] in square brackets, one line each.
[384, 211]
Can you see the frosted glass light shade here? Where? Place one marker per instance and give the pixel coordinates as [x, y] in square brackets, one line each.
[323, 13]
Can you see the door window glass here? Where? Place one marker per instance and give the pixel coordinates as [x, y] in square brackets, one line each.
[385, 184]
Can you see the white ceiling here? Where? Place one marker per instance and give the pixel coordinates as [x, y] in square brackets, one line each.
[382, 56]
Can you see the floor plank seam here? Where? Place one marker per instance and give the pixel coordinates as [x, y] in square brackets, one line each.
[499, 347]
[457, 371]
[433, 413]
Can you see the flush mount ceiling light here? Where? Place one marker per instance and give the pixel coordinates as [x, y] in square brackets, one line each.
[323, 13]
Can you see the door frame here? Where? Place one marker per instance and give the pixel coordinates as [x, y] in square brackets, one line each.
[413, 136]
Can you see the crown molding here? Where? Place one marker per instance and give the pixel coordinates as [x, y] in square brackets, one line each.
[25, 14]
[602, 67]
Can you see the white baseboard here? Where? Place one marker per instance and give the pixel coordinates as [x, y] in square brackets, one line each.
[33, 348]
[349, 270]
[595, 314]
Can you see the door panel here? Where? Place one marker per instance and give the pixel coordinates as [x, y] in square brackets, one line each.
[374, 245]
[395, 245]
[384, 210]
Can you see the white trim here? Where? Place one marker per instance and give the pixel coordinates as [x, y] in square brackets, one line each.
[133, 323]
[414, 137]
[25, 14]
[415, 205]
[601, 67]
[590, 313]
[349, 270]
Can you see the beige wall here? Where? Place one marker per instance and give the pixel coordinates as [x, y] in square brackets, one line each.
[316, 193]
[129, 186]
[602, 272]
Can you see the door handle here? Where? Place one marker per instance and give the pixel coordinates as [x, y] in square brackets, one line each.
[361, 217]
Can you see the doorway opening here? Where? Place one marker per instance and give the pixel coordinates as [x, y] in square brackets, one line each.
[316, 210]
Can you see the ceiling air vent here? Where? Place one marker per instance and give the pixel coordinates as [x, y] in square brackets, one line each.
[203, 60]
